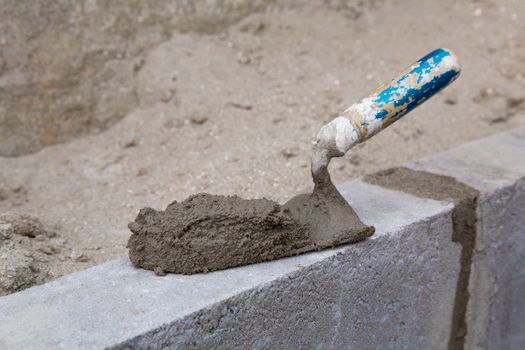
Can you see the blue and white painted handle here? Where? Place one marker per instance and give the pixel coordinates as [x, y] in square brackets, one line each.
[389, 103]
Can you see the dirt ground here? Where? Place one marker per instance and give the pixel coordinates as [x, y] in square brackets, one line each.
[236, 113]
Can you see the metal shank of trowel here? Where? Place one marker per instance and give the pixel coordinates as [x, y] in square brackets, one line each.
[386, 105]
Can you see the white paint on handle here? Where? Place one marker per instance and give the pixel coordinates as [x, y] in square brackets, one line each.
[338, 136]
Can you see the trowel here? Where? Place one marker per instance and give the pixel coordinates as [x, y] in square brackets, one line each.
[207, 232]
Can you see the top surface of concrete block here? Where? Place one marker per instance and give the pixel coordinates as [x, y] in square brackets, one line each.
[113, 302]
[487, 164]
[385, 209]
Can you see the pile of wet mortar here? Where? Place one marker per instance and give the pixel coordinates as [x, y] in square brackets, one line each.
[209, 232]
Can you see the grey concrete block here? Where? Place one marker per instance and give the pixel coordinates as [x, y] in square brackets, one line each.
[488, 164]
[496, 310]
[395, 290]
[393, 293]
[496, 166]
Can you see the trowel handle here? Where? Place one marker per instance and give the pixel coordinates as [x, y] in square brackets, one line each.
[390, 102]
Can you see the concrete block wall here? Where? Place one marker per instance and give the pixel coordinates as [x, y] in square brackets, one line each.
[397, 290]
[496, 167]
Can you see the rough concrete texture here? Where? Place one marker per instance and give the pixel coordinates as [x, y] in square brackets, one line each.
[400, 281]
[496, 166]
[496, 312]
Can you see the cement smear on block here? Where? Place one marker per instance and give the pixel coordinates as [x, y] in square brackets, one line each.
[208, 232]
[464, 197]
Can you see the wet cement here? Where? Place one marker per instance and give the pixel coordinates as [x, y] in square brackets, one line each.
[464, 218]
[208, 232]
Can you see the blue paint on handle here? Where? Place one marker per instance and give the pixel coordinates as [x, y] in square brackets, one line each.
[402, 92]
[392, 101]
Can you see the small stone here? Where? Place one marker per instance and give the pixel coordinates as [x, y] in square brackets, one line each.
[451, 100]
[244, 106]
[138, 64]
[198, 119]
[55, 248]
[254, 27]
[484, 93]
[242, 58]
[134, 142]
[290, 152]
[18, 189]
[515, 102]
[167, 95]
[46, 250]
[159, 272]
[142, 172]
[78, 256]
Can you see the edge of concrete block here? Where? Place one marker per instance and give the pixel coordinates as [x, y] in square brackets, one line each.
[402, 283]
[486, 164]
[494, 165]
